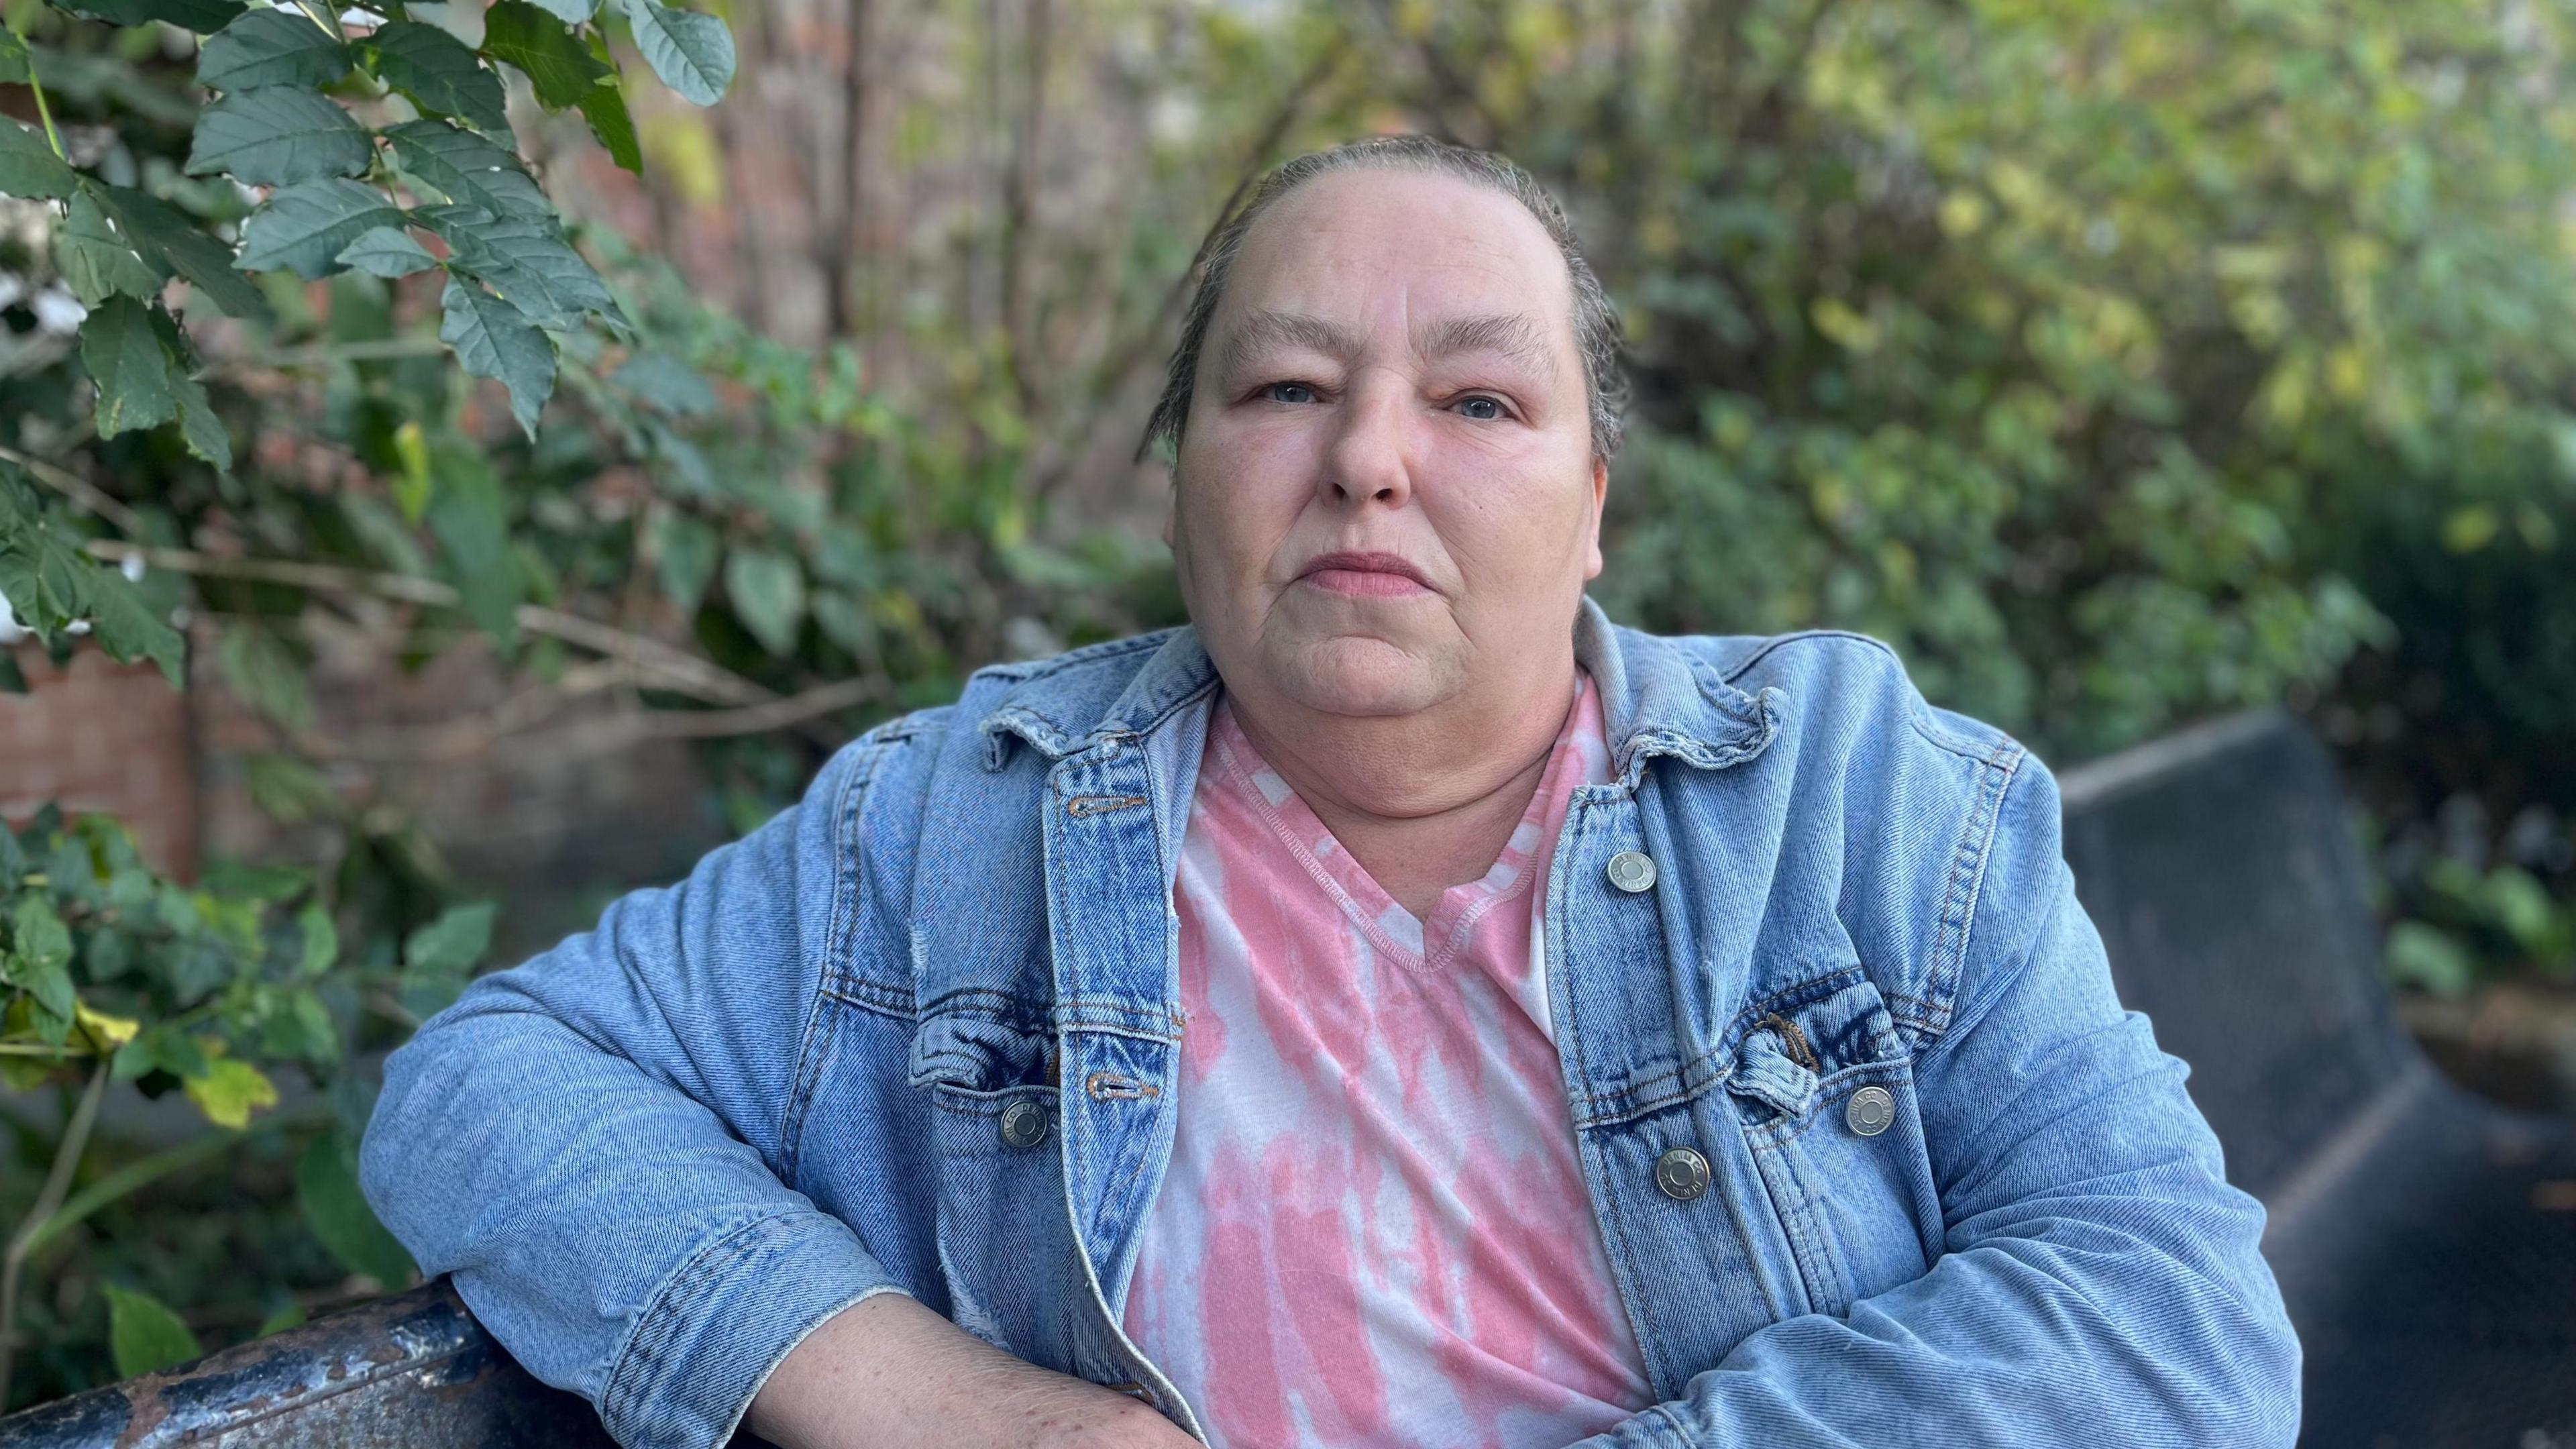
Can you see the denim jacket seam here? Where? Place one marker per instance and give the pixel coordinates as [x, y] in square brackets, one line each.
[1820, 1268]
[868, 994]
[648, 1336]
[1975, 846]
[1778, 642]
[841, 927]
[1633, 1101]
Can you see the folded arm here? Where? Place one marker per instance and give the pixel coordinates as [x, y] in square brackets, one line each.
[589, 1143]
[2100, 1279]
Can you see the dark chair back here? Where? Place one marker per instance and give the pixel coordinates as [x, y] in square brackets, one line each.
[2221, 870]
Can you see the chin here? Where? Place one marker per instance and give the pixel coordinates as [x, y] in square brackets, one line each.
[1357, 674]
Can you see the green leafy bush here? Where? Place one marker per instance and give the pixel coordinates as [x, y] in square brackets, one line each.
[353, 154]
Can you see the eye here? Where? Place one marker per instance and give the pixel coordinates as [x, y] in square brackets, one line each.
[1288, 392]
[1481, 408]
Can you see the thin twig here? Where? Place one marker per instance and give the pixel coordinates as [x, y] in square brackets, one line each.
[44, 113]
[386, 349]
[75, 487]
[466, 737]
[58, 1183]
[673, 669]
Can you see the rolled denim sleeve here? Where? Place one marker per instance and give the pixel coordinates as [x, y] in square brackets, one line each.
[590, 1143]
[2100, 1281]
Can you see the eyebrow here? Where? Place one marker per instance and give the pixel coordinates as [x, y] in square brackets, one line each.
[1515, 335]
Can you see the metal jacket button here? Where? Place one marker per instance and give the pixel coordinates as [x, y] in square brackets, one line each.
[1631, 871]
[1024, 1124]
[1681, 1174]
[1871, 1110]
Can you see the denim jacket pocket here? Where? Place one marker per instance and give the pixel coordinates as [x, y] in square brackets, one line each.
[1846, 1172]
[1005, 1241]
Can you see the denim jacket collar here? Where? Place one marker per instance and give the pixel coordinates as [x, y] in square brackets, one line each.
[1656, 700]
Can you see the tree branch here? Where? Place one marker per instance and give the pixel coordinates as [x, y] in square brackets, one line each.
[75, 487]
[674, 669]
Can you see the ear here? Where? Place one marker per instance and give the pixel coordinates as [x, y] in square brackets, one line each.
[1600, 496]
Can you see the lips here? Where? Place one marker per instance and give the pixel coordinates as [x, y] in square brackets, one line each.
[1365, 574]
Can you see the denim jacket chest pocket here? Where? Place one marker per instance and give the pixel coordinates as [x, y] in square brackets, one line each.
[1823, 1089]
[985, 1073]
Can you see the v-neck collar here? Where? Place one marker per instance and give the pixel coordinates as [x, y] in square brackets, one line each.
[1417, 945]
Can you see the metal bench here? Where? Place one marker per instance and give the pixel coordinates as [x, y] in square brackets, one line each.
[413, 1371]
[2422, 1236]
[2427, 1259]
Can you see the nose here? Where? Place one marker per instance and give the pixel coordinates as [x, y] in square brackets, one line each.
[1370, 456]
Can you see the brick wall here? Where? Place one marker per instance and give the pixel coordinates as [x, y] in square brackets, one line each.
[102, 737]
[552, 821]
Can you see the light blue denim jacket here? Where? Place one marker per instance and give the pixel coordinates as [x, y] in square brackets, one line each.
[657, 1155]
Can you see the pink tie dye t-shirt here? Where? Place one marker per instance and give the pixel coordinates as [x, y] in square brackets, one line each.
[1374, 1229]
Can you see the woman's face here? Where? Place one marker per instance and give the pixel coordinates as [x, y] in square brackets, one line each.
[1386, 492]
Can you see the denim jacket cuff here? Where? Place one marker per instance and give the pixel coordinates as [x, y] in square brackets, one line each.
[713, 1334]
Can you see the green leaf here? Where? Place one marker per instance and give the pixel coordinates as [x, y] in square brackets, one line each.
[768, 591]
[321, 941]
[2428, 959]
[468, 169]
[453, 944]
[202, 16]
[40, 937]
[556, 61]
[527, 262]
[96, 260]
[471, 521]
[279, 135]
[52, 988]
[326, 1183]
[128, 629]
[661, 380]
[604, 107]
[425, 994]
[199, 428]
[685, 551]
[338, 1216]
[29, 169]
[230, 1091]
[266, 676]
[164, 235]
[144, 1335]
[16, 68]
[571, 12]
[287, 790]
[123, 352]
[288, 1315]
[692, 53]
[306, 227]
[440, 75]
[280, 47]
[388, 253]
[141, 363]
[493, 340]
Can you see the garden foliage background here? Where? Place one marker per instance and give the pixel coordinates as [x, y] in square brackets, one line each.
[2121, 365]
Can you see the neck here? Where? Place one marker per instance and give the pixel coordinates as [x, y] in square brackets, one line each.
[1427, 800]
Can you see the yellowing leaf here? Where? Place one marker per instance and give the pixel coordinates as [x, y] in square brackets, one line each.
[106, 1033]
[230, 1091]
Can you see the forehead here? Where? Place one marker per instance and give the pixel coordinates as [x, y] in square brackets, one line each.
[1352, 245]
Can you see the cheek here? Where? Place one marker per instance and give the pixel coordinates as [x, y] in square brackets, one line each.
[1240, 498]
[1505, 528]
